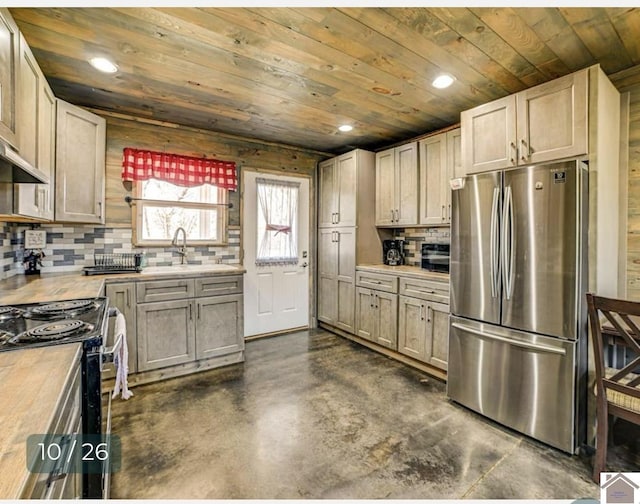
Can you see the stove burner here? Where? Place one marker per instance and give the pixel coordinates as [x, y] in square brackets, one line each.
[61, 309]
[9, 312]
[53, 331]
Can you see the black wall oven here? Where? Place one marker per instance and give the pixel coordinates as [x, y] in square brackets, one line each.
[435, 257]
[84, 321]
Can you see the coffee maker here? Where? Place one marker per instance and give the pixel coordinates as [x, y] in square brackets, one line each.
[393, 252]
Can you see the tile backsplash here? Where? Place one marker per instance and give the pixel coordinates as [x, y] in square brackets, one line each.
[415, 237]
[71, 247]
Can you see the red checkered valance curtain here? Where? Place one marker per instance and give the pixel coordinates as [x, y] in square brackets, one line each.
[179, 170]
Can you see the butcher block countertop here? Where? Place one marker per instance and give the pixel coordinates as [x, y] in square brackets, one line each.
[405, 271]
[33, 384]
[75, 285]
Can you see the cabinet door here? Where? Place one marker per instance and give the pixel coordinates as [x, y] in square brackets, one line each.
[433, 173]
[29, 82]
[80, 165]
[386, 319]
[46, 147]
[122, 296]
[365, 313]
[489, 136]
[346, 187]
[454, 154]
[407, 184]
[385, 188]
[346, 278]
[454, 168]
[326, 193]
[437, 337]
[9, 44]
[166, 334]
[327, 275]
[412, 327]
[219, 327]
[552, 119]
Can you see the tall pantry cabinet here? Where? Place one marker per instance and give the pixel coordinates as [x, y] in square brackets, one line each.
[346, 233]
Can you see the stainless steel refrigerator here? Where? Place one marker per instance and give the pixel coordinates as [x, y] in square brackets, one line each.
[517, 338]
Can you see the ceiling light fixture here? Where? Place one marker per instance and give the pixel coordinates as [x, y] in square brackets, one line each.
[443, 81]
[103, 64]
[345, 128]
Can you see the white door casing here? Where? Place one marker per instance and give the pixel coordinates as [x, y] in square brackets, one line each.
[276, 297]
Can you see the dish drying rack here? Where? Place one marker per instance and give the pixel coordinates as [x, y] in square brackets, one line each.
[106, 264]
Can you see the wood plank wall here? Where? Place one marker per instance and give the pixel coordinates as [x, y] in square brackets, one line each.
[125, 131]
[633, 211]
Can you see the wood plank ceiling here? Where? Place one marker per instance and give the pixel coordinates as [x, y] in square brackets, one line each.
[294, 75]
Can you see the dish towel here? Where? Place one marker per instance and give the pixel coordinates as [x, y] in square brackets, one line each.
[121, 359]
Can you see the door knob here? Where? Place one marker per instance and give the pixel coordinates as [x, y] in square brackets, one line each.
[304, 265]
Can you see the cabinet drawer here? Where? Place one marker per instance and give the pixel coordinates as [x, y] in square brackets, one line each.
[218, 285]
[385, 283]
[164, 290]
[425, 289]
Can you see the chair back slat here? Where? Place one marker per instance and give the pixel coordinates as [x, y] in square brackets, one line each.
[612, 317]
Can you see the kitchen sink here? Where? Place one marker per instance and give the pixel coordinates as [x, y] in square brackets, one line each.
[190, 268]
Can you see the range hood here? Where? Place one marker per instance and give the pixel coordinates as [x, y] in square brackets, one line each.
[16, 170]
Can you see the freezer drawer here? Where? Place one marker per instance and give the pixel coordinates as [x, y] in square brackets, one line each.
[521, 380]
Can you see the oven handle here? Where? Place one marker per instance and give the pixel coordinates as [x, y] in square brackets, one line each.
[109, 353]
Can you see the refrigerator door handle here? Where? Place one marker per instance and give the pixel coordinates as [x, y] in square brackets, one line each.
[507, 245]
[493, 250]
[512, 245]
[531, 346]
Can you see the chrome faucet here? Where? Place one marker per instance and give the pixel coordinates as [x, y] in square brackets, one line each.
[181, 250]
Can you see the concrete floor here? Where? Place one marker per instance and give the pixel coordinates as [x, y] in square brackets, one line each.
[312, 415]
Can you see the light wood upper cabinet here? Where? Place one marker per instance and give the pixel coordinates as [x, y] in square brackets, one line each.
[35, 130]
[385, 187]
[552, 119]
[543, 123]
[80, 165]
[47, 147]
[338, 191]
[440, 161]
[397, 186]
[9, 57]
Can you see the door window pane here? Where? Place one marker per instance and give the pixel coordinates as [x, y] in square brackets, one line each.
[277, 220]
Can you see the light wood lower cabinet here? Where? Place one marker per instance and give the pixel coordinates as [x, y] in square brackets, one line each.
[185, 323]
[219, 326]
[407, 314]
[423, 331]
[336, 277]
[166, 334]
[376, 316]
[123, 297]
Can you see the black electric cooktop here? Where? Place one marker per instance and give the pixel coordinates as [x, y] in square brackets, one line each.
[53, 323]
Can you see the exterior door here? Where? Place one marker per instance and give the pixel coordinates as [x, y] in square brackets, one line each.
[276, 294]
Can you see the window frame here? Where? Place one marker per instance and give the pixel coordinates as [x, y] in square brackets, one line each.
[137, 211]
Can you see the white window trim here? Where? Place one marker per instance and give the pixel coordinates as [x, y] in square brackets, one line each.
[138, 208]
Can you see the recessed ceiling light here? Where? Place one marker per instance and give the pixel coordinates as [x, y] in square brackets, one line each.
[443, 81]
[103, 64]
[345, 127]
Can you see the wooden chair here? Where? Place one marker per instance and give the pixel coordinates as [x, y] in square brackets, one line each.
[617, 390]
